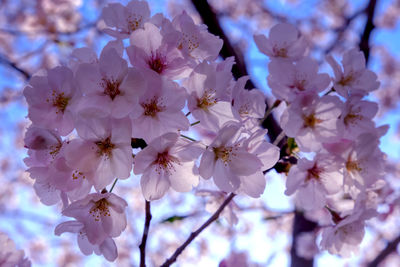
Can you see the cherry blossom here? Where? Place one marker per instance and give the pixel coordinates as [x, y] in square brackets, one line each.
[52, 100]
[210, 98]
[345, 236]
[288, 80]
[99, 218]
[194, 40]
[123, 20]
[88, 117]
[9, 255]
[356, 117]
[362, 160]
[159, 109]
[109, 87]
[312, 120]
[248, 104]
[226, 159]
[151, 50]
[284, 42]
[168, 161]
[104, 149]
[313, 180]
[354, 78]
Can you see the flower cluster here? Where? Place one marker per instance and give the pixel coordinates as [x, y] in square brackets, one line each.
[86, 116]
[9, 255]
[330, 120]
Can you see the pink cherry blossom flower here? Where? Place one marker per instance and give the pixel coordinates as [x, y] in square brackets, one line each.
[313, 180]
[54, 180]
[354, 78]
[43, 144]
[194, 40]
[284, 42]
[109, 87]
[151, 50]
[362, 159]
[210, 97]
[345, 236]
[123, 20]
[159, 109]
[103, 150]
[254, 185]
[9, 255]
[106, 248]
[52, 100]
[99, 218]
[168, 161]
[226, 159]
[238, 259]
[249, 105]
[312, 120]
[287, 80]
[356, 117]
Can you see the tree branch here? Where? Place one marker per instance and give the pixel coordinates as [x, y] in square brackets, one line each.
[194, 234]
[341, 30]
[142, 245]
[6, 61]
[391, 247]
[369, 27]
[300, 225]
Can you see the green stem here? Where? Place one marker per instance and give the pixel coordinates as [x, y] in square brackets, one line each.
[112, 187]
[189, 138]
[194, 123]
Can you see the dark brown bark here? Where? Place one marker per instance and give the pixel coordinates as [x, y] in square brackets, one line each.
[390, 248]
[369, 27]
[300, 225]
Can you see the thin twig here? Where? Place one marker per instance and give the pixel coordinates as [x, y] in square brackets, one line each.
[340, 31]
[194, 234]
[142, 245]
[189, 138]
[6, 61]
[112, 187]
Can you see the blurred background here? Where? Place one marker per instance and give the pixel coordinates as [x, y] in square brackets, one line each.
[41, 34]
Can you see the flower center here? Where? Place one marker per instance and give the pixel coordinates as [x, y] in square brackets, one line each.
[152, 107]
[280, 52]
[105, 147]
[54, 149]
[207, 100]
[100, 208]
[134, 23]
[310, 121]
[78, 174]
[244, 109]
[60, 101]
[156, 63]
[314, 173]
[165, 162]
[346, 80]
[190, 40]
[111, 88]
[223, 153]
[351, 118]
[299, 85]
[352, 166]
